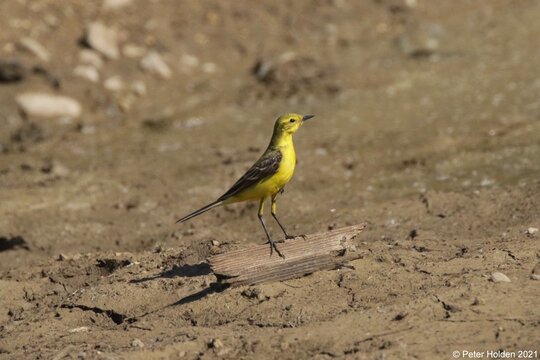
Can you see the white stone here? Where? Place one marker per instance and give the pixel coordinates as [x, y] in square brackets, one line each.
[90, 57]
[193, 122]
[133, 51]
[421, 39]
[532, 230]
[139, 87]
[154, 63]
[51, 20]
[189, 60]
[59, 170]
[87, 72]
[116, 4]
[499, 277]
[35, 48]
[487, 182]
[79, 329]
[209, 67]
[103, 39]
[137, 343]
[216, 344]
[48, 105]
[114, 83]
[411, 3]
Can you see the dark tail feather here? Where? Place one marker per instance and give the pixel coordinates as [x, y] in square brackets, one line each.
[199, 212]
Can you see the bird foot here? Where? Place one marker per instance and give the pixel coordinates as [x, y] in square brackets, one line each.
[288, 237]
[274, 247]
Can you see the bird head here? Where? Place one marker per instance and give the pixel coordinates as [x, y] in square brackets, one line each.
[290, 123]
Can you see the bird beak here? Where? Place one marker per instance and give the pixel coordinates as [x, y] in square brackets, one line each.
[307, 117]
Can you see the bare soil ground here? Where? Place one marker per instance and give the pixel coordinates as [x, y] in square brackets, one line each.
[427, 129]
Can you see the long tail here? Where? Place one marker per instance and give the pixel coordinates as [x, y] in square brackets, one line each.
[200, 211]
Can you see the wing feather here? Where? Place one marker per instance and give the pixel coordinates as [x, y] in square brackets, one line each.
[266, 166]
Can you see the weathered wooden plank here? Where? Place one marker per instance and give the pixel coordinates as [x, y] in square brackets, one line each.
[320, 251]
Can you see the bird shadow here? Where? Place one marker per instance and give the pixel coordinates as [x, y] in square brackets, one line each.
[213, 288]
[188, 271]
[183, 271]
[178, 271]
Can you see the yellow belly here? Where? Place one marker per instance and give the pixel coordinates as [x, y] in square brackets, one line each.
[273, 184]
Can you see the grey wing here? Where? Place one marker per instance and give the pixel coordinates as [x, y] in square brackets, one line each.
[266, 166]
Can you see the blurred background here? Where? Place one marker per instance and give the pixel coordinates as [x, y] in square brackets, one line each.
[158, 106]
[119, 116]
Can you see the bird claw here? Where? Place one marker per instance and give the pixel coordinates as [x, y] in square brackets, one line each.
[288, 237]
[274, 247]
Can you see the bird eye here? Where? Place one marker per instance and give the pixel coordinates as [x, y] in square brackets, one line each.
[292, 120]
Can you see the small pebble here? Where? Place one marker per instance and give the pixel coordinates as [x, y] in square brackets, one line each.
[420, 40]
[252, 293]
[193, 122]
[188, 60]
[48, 105]
[51, 20]
[79, 329]
[535, 276]
[531, 231]
[90, 57]
[139, 87]
[87, 72]
[116, 4]
[487, 182]
[57, 169]
[61, 257]
[137, 343]
[255, 293]
[263, 70]
[215, 343]
[133, 51]
[35, 48]
[478, 301]
[154, 63]
[114, 83]
[536, 271]
[499, 277]
[209, 68]
[103, 39]
[411, 3]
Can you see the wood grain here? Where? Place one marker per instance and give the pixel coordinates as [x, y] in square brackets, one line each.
[320, 251]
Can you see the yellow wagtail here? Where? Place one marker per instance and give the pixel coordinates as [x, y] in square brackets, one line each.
[267, 177]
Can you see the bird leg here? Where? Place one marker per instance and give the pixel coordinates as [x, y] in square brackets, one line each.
[274, 211]
[270, 240]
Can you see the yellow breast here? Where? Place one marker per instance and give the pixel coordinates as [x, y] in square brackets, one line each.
[286, 168]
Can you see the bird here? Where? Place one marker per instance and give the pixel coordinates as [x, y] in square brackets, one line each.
[267, 177]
